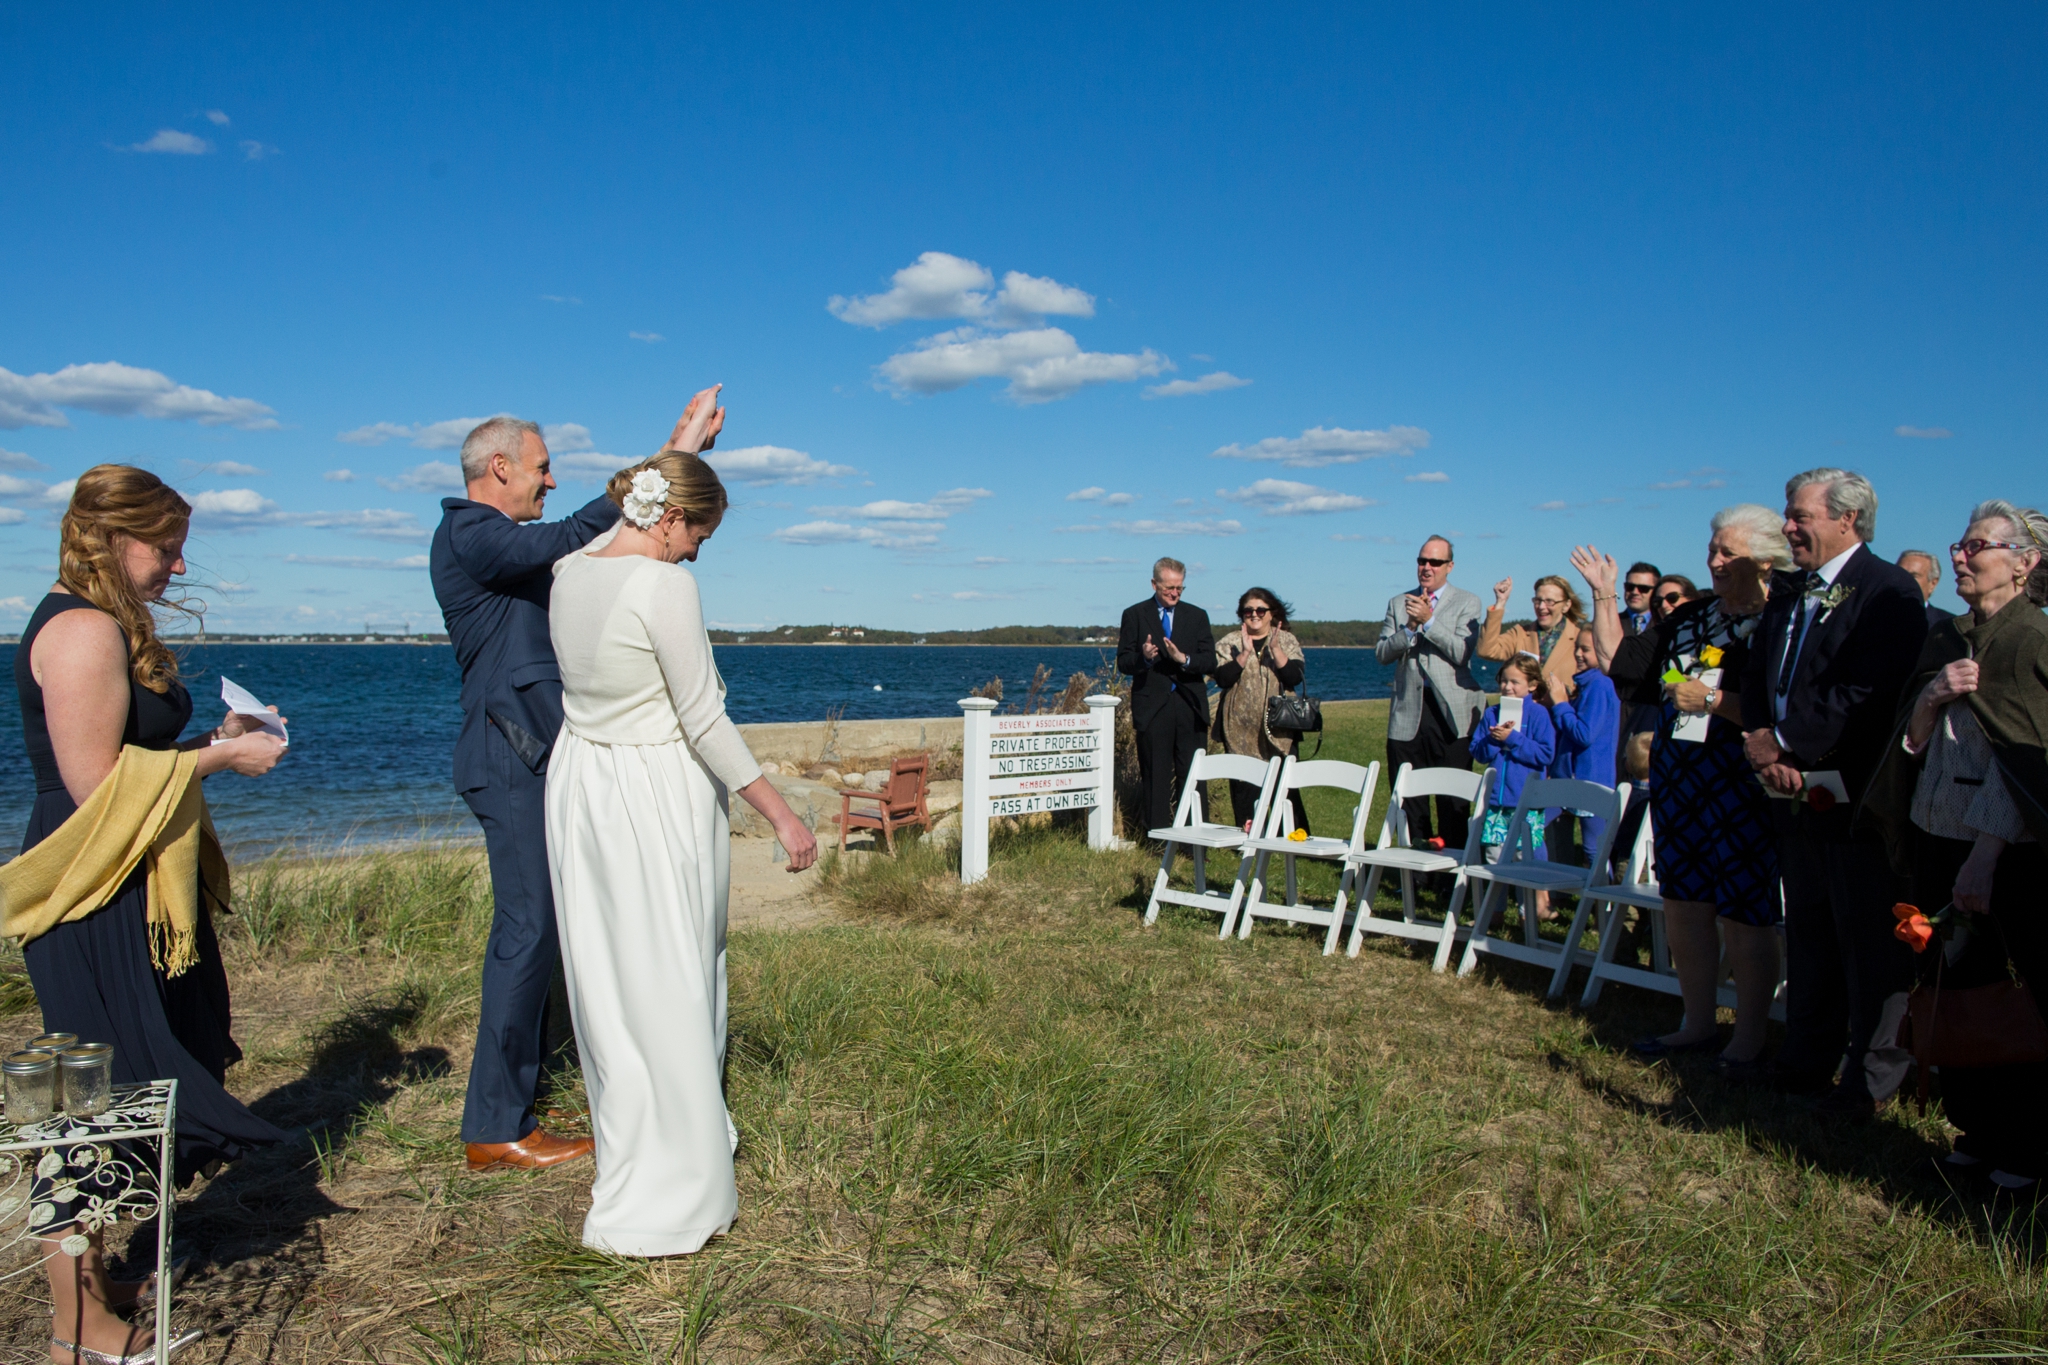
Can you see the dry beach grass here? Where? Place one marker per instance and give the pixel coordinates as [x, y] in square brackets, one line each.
[1009, 1123]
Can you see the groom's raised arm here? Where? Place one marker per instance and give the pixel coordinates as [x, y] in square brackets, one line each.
[494, 549]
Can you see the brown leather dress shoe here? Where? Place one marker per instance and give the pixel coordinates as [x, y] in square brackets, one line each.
[537, 1149]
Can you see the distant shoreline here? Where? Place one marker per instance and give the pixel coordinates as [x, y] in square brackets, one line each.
[188, 640]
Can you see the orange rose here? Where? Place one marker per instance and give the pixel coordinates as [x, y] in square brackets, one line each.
[1904, 911]
[1916, 932]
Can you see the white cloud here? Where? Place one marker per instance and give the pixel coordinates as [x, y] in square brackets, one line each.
[1320, 446]
[1042, 364]
[1669, 484]
[588, 466]
[990, 560]
[226, 469]
[1103, 496]
[1208, 526]
[173, 142]
[15, 606]
[432, 477]
[14, 459]
[59, 491]
[1923, 433]
[563, 437]
[1429, 476]
[1554, 505]
[340, 476]
[446, 435]
[116, 390]
[889, 524]
[256, 151]
[1285, 498]
[646, 336]
[970, 595]
[11, 515]
[1342, 536]
[774, 464]
[13, 486]
[1099, 559]
[231, 502]
[1208, 383]
[936, 285]
[1028, 296]
[359, 561]
[217, 118]
[570, 299]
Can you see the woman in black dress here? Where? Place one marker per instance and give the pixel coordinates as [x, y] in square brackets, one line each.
[1717, 854]
[93, 677]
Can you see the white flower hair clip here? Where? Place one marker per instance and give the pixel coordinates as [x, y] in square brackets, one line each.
[647, 499]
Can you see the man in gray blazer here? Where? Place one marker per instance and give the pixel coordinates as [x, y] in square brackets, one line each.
[1431, 633]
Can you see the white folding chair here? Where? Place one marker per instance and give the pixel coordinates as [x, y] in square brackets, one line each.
[1298, 776]
[1191, 828]
[1397, 853]
[1638, 889]
[1525, 869]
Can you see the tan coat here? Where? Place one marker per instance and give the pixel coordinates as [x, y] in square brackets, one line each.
[1240, 724]
[1505, 642]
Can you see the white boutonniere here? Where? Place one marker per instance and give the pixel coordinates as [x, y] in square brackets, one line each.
[1827, 600]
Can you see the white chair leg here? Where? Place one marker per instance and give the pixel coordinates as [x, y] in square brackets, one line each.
[1449, 941]
[1560, 978]
[1200, 855]
[1496, 892]
[1159, 883]
[1603, 956]
[1252, 899]
[1408, 895]
[1365, 904]
[1344, 886]
[1293, 888]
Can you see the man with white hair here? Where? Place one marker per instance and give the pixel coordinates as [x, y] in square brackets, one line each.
[1926, 571]
[1838, 639]
[491, 564]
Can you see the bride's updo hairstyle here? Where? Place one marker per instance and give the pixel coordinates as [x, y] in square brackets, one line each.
[119, 499]
[693, 486]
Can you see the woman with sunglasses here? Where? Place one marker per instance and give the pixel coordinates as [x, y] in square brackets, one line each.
[1674, 590]
[1717, 850]
[1261, 659]
[1547, 645]
[1962, 795]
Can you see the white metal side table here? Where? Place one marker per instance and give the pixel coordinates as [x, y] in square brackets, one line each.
[82, 1154]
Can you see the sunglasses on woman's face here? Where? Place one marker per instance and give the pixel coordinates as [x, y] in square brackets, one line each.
[1247, 613]
[1671, 599]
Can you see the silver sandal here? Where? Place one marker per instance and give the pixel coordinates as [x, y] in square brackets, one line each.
[147, 1357]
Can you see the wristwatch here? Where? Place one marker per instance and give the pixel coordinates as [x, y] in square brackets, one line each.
[1713, 697]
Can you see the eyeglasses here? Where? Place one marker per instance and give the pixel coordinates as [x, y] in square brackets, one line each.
[1671, 599]
[1247, 613]
[1548, 601]
[1426, 562]
[1970, 549]
[1638, 587]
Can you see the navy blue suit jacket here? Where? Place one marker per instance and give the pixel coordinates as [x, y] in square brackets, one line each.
[492, 579]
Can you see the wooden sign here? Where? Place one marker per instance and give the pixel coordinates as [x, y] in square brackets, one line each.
[1022, 765]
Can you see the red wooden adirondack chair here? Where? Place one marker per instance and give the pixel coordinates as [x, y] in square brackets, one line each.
[901, 805]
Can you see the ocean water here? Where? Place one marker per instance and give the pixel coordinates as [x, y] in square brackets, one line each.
[373, 726]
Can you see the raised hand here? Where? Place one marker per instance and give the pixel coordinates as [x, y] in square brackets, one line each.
[1599, 571]
[1501, 591]
[697, 429]
[1247, 657]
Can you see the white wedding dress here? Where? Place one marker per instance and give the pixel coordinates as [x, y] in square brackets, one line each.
[638, 848]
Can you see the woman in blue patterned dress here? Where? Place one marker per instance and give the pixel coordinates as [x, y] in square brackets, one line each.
[1716, 851]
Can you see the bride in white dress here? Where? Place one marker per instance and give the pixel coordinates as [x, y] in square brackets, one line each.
[638, 836]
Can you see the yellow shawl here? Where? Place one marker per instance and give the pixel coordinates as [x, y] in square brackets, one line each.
[150, 807]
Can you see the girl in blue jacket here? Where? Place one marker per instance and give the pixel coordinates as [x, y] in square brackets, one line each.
[1588, 724]
[1516, 753]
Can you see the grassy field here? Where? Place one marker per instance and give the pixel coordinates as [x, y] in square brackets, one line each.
[1008, 1123]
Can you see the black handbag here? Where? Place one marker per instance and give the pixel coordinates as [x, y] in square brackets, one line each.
[1296, 712]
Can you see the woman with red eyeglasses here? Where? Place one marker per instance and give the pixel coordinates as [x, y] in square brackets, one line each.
[1962, 797]
[1260, 660]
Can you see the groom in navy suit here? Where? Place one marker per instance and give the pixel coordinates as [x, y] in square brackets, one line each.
[492, 570]
[1166, 646]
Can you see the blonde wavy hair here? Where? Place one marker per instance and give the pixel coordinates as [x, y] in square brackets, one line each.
[693, 486]
[112, 500]
[1574, 609]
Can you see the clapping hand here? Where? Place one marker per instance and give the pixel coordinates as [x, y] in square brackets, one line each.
[1419, 610]
[1558, 687]
[1149, 650]
[697, 429]
[1173, 651]
[1501, 591]
[1247, 656]
[1597, 569]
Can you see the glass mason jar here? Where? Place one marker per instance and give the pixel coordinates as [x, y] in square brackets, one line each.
[31, 1085]
[53, 1042]
[88, 1078]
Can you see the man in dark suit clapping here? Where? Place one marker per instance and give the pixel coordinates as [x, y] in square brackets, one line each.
[1166, 647]
[1837, 641]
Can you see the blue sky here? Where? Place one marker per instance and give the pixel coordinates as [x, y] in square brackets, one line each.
[1010, 301]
